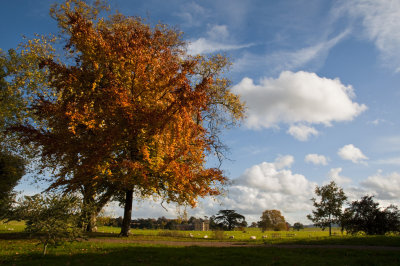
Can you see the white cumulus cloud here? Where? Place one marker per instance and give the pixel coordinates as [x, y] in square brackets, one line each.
[271, 186]
[316, 159]
[302, 132]
[284, 161]
[297, 98]
[334, 175]
[352, 153]
[384, 187]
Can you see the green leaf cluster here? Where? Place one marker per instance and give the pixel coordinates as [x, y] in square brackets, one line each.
[12, 168]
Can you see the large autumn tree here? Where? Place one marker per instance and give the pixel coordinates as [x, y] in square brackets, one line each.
[130, 112]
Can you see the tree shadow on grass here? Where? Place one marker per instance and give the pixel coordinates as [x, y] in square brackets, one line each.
[376, 240]
[14, 236]
[161, 255]
[25, 235]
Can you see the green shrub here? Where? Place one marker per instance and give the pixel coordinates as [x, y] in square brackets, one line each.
[218, 234]
[52, 218]
[171, 233]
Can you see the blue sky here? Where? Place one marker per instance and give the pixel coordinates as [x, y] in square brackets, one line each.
[321, 82]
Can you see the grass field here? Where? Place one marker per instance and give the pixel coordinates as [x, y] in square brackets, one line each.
[16, 248]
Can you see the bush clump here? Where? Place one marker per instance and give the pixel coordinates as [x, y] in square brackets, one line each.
[218, 234]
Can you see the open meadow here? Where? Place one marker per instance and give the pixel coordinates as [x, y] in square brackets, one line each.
[163, 247]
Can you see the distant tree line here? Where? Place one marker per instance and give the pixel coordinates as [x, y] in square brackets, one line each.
[163, 223]
[363, 215]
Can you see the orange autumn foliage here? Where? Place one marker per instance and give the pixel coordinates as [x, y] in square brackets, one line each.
[132, 109]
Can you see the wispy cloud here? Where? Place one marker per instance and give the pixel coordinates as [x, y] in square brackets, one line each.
[388, 144]
[218, 39]
[380, 24]
[192, 14]
[389, 161]
[289, 60]
[377, 122]
[205, 46]
[293, 60]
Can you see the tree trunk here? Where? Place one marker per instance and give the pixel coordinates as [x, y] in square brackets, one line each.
[126, 222]
[330, 225]
[89, 211]
[44, 249]
[91, 225]
[93, 207]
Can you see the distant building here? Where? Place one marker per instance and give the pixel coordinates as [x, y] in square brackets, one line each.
[202, 225]
[197, 225]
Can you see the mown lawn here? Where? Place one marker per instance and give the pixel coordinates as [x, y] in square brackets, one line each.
[16, 248]
[23, 252]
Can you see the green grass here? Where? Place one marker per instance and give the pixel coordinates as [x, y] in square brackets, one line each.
[12, 226]
[87, 253]
[16, 248]
[390, 241]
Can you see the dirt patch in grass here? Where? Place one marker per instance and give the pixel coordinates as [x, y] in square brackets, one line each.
[178, 243]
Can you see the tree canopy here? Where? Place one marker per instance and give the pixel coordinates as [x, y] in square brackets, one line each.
[298, 226]
[229, 219]
[365, 215]
[12, 168]
[272, 220]
[328, 209]
[125, 109]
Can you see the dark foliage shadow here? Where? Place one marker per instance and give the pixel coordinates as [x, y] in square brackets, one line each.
[161, 255]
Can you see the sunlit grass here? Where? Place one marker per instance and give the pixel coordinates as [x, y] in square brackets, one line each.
[308, 236]
[12, 226]
[243, 235]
